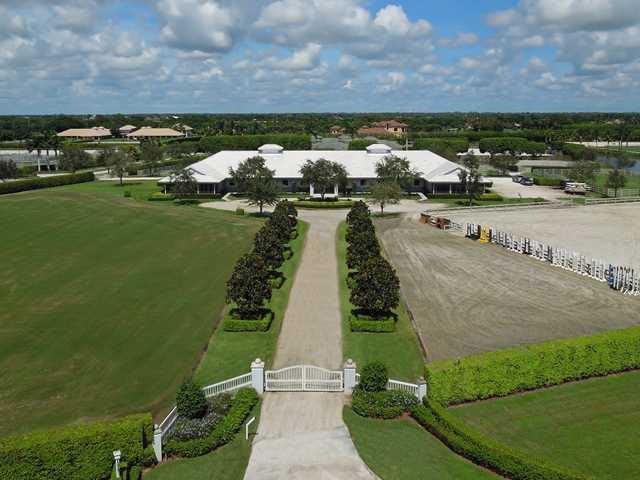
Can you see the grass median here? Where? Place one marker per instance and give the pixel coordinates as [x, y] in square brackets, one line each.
[399, 350]
[230, 353]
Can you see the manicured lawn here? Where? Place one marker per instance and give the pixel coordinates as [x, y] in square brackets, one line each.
[591, 426]
[230, 353]
[226, 463]
[399, 350]
[107, 302]
[632, 181]
[140, 189]
[402, 449]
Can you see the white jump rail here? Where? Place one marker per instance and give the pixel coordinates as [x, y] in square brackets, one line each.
[609, 201]
[510, 206]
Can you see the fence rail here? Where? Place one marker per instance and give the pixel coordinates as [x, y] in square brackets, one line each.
[230, 385]
[411, 388]
[511, 206]
[621, 193]
[606, 201]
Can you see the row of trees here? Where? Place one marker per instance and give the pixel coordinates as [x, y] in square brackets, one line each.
[375, 288]
[250, 284]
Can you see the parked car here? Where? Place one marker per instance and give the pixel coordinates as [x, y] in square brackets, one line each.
[526, 181]
[516, 178]
[576, 188]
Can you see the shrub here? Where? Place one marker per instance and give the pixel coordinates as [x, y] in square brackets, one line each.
[161, 197]
[191, 401]
[192, 428]
[362, 247]
[377, 288]
[374, 377]
[359, 324]
[547, 181]
[280, 226]
[504, 372]
[127, 194]
[268, 244]
[216, 143]
[77, 452]
[242, 405]
[387, 404]
[484, 451]
[357, 212]
[221, 404]
[326, 204]
[360, 227]
[491, 197]
[232, 324]
[240, 211]
[186, 201]
[45, 182]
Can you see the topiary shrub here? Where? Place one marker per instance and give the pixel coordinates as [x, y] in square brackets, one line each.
[127, 194]
[387, 404]
[374, 377]
[377, 288]
[249, 286]
[191, 401]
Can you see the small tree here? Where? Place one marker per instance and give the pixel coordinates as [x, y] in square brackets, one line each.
[364, 246]
[256, 180]
[470, 178]
[151, 154]
[385, 193]
[616, 179]
[184, 183]
[267, 245]
[289, 209]
[249, 286]
[397, 170]
[357, 212]
[323, 175]
[8, 169]
[74, 158]
[377, 288]
[191, 401]
[585, 171]
[118, 163]
[281, 226]
[502, 162]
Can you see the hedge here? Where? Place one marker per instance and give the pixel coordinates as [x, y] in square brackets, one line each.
[243, 403]
[513, 370]
[77, 452]
[481, 450]
[494, 197]
[45, 182]
[216, 143]
[387, 404]
[547, 182]
[372, 326]
[232, 325]
[320, 204]
[161, 197]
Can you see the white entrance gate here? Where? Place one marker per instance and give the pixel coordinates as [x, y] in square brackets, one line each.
[303, 378]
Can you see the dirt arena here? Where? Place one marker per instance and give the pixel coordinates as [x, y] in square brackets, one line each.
[610, 233]
[470, 298]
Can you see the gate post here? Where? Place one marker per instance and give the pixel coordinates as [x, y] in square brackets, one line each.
[349, 376]
[257, 375]
[422, 388]
[157, 442]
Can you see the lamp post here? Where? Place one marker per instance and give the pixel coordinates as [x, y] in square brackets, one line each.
[116, 455]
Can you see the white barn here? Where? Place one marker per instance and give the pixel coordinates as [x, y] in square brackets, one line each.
[437, 174]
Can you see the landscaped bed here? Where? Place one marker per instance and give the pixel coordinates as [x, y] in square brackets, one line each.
[114, 301]
[591, 426]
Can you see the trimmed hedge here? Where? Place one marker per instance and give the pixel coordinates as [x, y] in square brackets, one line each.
[372, 326]
[232, 325]
[484, 451]
[514, 370]
[494, 197]
[320, 204]
[45, 182]
[387, 404]
[547, 182]
[243, 403]
[161, 197]
[216, 143]
[78, 452]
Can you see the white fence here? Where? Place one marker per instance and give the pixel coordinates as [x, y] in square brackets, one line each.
[606, 201]
[304, 378]
[621, 193]
[509, 206]
[621, 278]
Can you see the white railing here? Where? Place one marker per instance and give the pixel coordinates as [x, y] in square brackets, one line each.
[511, 206]
[169, 422]
[411, 388]
[605, 201]
[230, 385]
[621, 193]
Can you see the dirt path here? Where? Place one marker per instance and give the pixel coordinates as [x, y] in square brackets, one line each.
[302, 435]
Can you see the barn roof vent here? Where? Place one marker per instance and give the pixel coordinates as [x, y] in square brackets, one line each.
[270, 149]
[379, 149]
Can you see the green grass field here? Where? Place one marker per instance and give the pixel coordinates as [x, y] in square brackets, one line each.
[230, 353]
[399, 350]
[591, 426]
[632, 181]
[107, 302]
[402, 449]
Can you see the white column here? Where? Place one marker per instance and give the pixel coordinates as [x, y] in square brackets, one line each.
[157, 442]
[422, 388]
[335, 190]
[257, 375]
[198, 188]
[349, 376]
[311, 189]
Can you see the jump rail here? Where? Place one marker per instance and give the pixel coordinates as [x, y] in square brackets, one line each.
[511, 206]
[608, 201]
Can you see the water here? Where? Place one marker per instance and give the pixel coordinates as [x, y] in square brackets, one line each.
[635, 168]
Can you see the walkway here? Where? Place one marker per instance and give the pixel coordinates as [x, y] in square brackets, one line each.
[302, 435]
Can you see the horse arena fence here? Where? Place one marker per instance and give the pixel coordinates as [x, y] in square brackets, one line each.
[297, 378]
[619, 277]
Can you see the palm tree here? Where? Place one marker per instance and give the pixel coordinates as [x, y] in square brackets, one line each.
[37, 143]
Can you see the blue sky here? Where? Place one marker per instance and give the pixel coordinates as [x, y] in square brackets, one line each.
[109, 56]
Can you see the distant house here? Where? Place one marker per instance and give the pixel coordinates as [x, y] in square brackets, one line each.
[94, 133]
[150, 132]
[386, 127]
[126, 130]
[337, 130]
[186, 130]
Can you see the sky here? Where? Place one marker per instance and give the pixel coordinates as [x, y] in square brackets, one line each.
[255, 56]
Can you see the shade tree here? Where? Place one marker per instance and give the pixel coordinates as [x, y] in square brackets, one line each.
[377, 288]
[253, 178]
[249, 286]
[323, 174]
